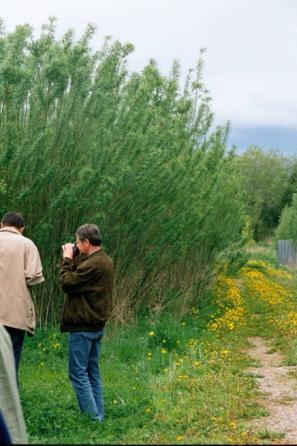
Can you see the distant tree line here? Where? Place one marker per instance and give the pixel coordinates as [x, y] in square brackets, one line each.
[268, 182]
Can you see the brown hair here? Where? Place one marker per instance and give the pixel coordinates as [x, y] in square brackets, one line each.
[13, 219]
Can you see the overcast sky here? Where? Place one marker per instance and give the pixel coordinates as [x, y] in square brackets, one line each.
[250, 63]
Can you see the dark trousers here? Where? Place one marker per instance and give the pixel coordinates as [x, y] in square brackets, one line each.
[4, 434]
[17, 339]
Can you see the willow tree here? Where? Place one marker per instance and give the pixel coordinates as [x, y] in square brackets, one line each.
[83, 140]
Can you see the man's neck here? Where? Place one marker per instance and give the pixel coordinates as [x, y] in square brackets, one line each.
[94, 249]
[14, 228]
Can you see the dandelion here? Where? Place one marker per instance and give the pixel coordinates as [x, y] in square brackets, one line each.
[225, 352]
[152, 333]
[229, 296]
[182, 377]
[270, 292]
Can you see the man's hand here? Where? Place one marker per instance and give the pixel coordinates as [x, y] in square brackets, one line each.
[67, 251]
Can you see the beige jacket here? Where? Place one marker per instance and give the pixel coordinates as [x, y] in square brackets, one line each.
[10, 404]
[20, 268]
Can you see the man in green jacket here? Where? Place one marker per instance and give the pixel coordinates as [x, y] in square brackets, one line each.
[87, 279]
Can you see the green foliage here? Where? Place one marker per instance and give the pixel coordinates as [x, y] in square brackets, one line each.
[287, 229]
[265, 182]
[82, 140]
[291, 164]
[248, 231]
[231, 260]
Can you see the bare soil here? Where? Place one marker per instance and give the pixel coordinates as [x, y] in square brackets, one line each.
[278, 389]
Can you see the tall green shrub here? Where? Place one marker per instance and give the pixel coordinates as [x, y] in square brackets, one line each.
[83, 140]
[287, 229]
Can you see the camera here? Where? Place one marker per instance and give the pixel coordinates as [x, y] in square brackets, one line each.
[75, 249]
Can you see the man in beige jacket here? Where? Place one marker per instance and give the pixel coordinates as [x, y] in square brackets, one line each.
[20, 268]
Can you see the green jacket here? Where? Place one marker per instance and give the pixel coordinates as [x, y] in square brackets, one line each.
[88, 284]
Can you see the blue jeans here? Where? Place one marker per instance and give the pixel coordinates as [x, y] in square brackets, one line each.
[84, 374]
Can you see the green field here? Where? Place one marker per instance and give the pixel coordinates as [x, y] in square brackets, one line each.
[166, 379]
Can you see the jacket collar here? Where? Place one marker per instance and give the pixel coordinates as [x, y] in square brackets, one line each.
[10, 229]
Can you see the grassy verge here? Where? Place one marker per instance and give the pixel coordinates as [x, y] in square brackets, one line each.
[167, 380]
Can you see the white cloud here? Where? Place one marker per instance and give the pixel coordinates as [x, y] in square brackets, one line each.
[251, 62]
[253, 99]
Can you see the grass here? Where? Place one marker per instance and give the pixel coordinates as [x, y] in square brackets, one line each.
[264, 251]
[167, 380]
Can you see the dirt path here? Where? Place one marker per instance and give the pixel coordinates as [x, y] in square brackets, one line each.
[279, 393]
